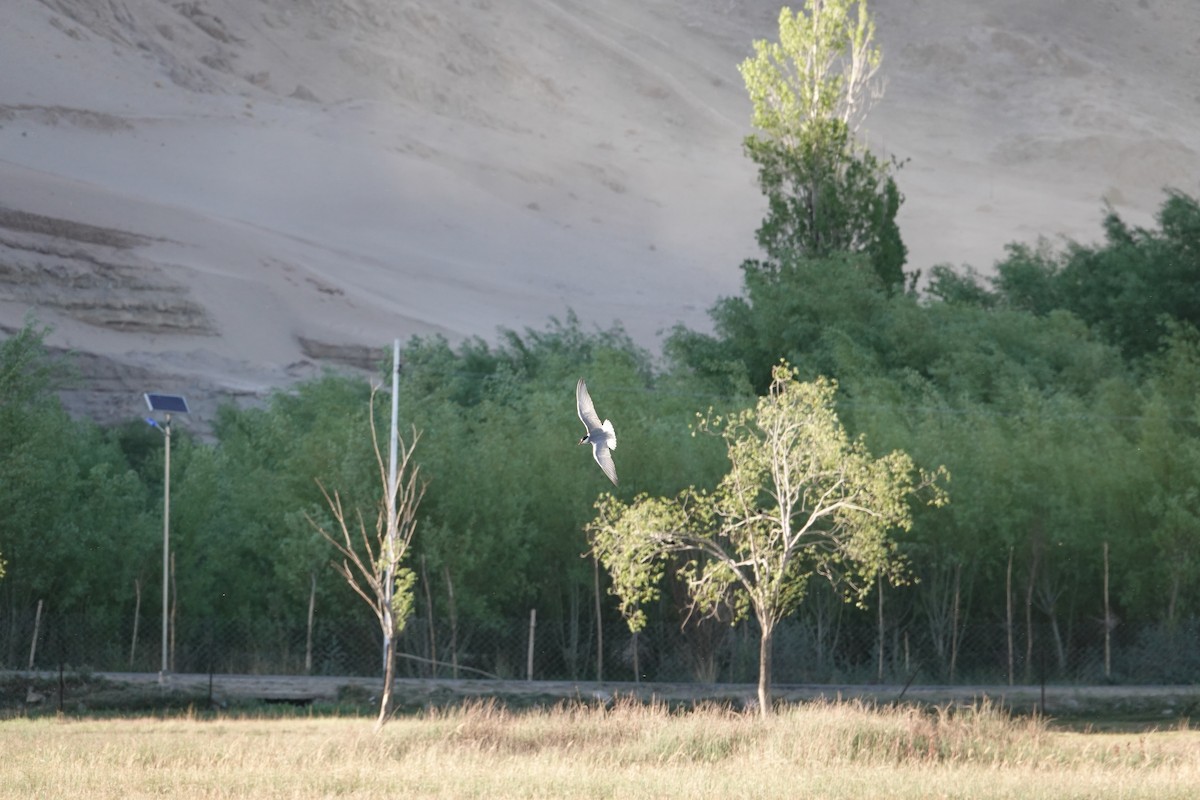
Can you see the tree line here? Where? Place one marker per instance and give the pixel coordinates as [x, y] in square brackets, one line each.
[1059, 394]
[1061, 436]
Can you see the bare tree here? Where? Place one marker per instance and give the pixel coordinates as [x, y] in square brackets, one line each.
[369, 558]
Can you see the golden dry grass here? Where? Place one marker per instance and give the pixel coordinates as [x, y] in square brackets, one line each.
[837, 750]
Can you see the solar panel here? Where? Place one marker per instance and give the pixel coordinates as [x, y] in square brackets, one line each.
[171, 403]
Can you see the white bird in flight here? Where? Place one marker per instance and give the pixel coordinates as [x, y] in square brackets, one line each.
[601, 434]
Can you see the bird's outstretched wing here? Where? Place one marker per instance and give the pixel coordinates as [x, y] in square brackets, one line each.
[604, 458]
[587, 412]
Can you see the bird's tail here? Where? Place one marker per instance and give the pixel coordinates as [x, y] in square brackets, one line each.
[612, 434]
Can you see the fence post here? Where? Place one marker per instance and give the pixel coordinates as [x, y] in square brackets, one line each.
[532, 630]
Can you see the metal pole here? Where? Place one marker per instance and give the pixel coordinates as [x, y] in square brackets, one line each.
[393, 442]
[162, 675]
[389, 570]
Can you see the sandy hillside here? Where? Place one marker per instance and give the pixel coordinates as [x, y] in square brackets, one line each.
[217, 196]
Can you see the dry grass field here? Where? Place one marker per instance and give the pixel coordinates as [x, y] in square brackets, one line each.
[818, 750]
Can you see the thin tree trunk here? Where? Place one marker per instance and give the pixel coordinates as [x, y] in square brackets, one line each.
[11, 654]
[599, 625]
[938, 613]
[954, 612]
[532, 635]
[389, 668]
[137, 616]
[1060, 651]
[1107, 621]
[814, 231]
[37, 624]
[569, 627]
[879, 622]
[1029, 617]
[453, 610]
[1028, 640]
[308, 639]
[765, 644]
[429, 617]
[820, 620]
[1008, 618]
[828, 613]
[1172, 599]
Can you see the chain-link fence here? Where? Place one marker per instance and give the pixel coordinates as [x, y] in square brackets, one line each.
[805, 651]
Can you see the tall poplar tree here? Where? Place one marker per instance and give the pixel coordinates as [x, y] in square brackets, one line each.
[810, 92]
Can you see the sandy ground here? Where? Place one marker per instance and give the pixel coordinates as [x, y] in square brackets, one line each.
[215, 197]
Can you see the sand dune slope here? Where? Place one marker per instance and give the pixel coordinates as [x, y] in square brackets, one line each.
[217, 196]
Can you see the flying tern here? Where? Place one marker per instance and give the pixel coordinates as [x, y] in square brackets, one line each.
[600, 434]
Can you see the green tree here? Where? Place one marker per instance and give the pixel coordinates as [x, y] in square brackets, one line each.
[954, 288]
[25, 382]
[246, 551]
[801, 499]
[805, 311]
[68, 495]
[502, 527]
[1164, 465]
[509, 407]
[809, 91]
[1128, 289]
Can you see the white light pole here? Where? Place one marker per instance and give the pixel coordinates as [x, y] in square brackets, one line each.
[389, 585]
[168, 403]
